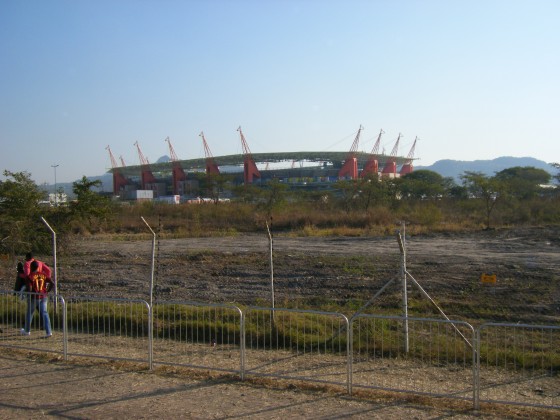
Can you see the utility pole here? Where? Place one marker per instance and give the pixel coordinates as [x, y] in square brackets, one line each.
[55, 186]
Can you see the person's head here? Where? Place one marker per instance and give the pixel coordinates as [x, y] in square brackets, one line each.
[34, 265]
[29, 256]
[20, 267]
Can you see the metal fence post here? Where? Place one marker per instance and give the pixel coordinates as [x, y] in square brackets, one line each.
[151, 337]
[64, 328]
[349, 351]
[402, 247]
[150, 310]
[54, 259]
[476, 373]
[242, 343]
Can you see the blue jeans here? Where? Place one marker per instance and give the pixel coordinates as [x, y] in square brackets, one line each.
[34, 302]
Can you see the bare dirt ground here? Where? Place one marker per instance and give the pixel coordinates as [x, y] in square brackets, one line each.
[310, 271]
[307, 272]
[36, 387]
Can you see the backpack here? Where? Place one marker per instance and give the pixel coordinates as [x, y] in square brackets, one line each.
[20, 284]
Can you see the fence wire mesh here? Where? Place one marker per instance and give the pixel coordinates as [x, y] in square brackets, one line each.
[423, 356]
[199, 335]
[305, 345]
[499, 363]
[519, 364]
[108, 328]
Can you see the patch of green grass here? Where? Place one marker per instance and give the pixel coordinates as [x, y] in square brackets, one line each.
[501, 347]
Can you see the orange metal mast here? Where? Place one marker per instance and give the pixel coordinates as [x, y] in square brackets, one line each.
[211, 166]
[408, 167]
[147, 176]
[372, 165]
[250, 169]
[390, 167]
[350, 166]
[178, 173]
[119, 181]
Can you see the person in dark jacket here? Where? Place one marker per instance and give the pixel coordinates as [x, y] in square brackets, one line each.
[20, 285]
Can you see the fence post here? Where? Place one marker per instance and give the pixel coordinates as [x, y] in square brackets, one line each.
[54, 260]
[476, 359]
[64, 328]
[242, 343]
[150, 309]
[402, 247]
[349, 351]
[270, 249]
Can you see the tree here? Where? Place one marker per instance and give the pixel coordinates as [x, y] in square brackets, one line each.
[346, 191]
[215, 185]
[375, 191]
[20, 212]
[391, 191]
[89, 205]
[423, 184]
[482, 187]
[19, 196]
[274, 194]
[248, 193]
[557, 176]
[369, 189]
[523, 182]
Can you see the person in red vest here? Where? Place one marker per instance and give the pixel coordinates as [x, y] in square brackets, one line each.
[43, 268]
[38, 284]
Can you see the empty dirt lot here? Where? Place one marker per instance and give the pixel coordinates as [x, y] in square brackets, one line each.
[307, 271]
[310, 271]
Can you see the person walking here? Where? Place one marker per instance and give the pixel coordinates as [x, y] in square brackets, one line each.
[38, 284]
[43, 268]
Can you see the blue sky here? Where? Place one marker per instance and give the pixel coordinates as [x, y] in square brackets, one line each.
[472, 79]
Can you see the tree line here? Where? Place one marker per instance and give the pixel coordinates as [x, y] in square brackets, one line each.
[423, 198]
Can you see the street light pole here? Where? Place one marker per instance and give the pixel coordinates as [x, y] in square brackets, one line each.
[55, 191]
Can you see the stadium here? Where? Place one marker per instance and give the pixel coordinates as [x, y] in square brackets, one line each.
[179, 180]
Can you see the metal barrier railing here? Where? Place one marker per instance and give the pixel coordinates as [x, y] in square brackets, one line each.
[431, 357]
[518, 364]
[109, 328]
[297, 344]
[13, 309]
[198, 335]
[498, 363]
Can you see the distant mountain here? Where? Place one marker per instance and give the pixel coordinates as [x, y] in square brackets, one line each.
[164, 159]
[106, 181]
[455, 168]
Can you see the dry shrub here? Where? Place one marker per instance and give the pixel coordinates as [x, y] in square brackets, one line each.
[380, 216]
